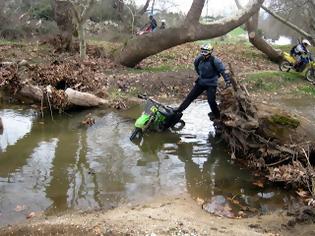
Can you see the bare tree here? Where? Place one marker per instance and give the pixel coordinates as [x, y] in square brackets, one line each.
[291, 18]
[143, 46]
[80, 11]
[144, 8]
[291, 25]
[119, 6]
[63, 18]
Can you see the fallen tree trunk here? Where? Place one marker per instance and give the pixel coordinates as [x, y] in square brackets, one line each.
[256, 40]
[32, 92]
[84, 99]
[267, 138]
[59, 99]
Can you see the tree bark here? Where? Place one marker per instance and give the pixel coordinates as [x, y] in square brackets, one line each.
[82, 40]
[256, 40]
[84, 99]
[80, 16]
[63, 18]
[144, 46]
[291, 25]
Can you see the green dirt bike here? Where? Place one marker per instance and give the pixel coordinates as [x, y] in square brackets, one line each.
[289, 63]
[156, 117]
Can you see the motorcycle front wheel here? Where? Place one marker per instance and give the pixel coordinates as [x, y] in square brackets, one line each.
[178, 126]
[136, 134]
[285, 66]
[310, 75]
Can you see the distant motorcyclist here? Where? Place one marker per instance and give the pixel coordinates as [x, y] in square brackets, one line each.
[209, 68]
[163, 24]
[153, 23]
[299, 51]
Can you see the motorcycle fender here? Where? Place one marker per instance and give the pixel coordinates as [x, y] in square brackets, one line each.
[288, 58]
[142, 120]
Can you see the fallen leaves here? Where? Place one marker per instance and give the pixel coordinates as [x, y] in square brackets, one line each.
[88, 120]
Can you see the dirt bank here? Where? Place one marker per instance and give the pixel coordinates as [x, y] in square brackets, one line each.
[163, 216]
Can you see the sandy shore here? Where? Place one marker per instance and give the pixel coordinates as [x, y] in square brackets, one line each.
[164, 216]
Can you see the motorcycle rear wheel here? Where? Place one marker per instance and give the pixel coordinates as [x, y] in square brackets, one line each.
[285, 66]
[136, 134]
[310, 75]
[178, 126]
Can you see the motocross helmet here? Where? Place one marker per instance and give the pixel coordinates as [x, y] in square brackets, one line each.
[306, 42]
[206, 49]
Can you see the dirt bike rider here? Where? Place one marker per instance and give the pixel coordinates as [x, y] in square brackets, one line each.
[298, 51]
[153, 23]
[163, 25]
[209, 68]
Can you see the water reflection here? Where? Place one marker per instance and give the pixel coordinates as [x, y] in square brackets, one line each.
[16, 126]
[58, 165]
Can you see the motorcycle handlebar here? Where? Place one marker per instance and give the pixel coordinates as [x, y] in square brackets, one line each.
[145, 97]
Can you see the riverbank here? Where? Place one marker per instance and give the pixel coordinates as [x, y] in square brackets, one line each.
[166, 76]
[164, 216]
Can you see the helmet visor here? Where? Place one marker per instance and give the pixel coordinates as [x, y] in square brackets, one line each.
[205, 52]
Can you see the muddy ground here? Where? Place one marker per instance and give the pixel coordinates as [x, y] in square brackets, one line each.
[167, 75]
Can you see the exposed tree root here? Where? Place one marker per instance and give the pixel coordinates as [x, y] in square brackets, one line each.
[267, 138]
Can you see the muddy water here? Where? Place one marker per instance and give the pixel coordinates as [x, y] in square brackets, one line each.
[52, 166]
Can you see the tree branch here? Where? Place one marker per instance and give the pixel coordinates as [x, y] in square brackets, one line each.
[87, 9]
[195, 11]
[132, 52]
[145, 8]
[291, 25]
[232, 22]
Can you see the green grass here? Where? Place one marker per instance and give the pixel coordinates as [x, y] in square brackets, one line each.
[272, 81]
[10, 42]
[308, 89]
[237, 32]
[286, 76]
[230, 38]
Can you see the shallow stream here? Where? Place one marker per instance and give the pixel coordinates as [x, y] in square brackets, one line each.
[53, 166]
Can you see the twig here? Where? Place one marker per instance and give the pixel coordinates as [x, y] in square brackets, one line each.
[306, 157]
[42, 105]
[278, 162]
[245, 89]
[52, 118]
[311, 174]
